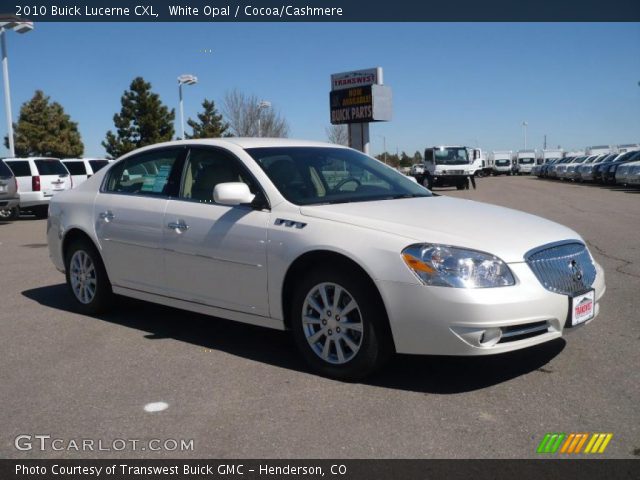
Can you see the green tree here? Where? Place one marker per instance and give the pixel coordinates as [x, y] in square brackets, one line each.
[209, 123]
[143, 120]
[44, 130]
[417, 157]
[405, 160]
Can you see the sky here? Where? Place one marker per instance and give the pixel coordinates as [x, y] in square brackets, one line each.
[453, 83]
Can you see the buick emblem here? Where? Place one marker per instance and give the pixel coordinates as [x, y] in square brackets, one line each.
[576, 271]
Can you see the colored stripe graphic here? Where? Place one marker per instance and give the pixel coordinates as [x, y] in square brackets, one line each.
[573, 443]
[551, 442]
[598, 443]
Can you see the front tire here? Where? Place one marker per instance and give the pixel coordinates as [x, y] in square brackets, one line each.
[339, 324]
[87, 278]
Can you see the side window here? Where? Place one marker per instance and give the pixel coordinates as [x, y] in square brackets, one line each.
[205, 169]
[75, 168]
[149, 174]
[20, 169]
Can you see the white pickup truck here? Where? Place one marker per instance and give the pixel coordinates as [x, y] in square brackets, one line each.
[446, 166]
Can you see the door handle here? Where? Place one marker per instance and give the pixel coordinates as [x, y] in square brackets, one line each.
[107, 216]
[181, 226]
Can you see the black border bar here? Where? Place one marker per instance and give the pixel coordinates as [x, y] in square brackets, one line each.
[328, 10]
[564, 469]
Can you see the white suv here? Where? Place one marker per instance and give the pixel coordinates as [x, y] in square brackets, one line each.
[83, 168]
[39, 178]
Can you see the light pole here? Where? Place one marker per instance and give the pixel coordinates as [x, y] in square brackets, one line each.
[524, 128]
[19, 26]
[263, 105]
[185, 79]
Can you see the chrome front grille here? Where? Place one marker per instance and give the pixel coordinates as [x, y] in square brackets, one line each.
[564, 268]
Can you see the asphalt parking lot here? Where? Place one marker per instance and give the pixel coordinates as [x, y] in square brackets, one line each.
[242, 392]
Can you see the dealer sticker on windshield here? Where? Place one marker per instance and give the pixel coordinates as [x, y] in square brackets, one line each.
[582, 308]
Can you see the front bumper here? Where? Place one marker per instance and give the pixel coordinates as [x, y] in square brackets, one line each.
[450, 321]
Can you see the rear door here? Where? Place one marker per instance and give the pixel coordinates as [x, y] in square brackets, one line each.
[54, 176]
[78, 171]
[129, 218]
[7, 182]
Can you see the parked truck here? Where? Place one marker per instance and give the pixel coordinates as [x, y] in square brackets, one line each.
[479, 162]
[445, 166]
[525, 160]
[501, 161]
[549, 155]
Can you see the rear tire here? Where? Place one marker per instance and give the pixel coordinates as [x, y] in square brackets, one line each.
[87, 278]
[347, 337]
[9, 214]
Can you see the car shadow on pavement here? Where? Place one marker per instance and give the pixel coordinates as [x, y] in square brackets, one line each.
[426, 374]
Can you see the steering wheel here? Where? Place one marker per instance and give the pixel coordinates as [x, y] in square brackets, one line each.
[343, 182]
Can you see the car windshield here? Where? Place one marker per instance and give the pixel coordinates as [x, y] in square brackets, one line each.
[451, 156]
[503, 162]
[526, 161]
[317, 175]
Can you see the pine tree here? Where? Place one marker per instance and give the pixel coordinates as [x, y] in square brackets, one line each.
[43, 129]
[143, 120]
[209, 124]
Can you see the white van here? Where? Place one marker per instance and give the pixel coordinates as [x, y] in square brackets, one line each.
[39, 178]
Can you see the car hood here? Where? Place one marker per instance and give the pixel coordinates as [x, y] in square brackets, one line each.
[503, 232]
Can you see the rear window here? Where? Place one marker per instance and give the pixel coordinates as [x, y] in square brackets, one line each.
[20, 168]
[98, 164]
[4, 170]
[76, 168]
[51, 167]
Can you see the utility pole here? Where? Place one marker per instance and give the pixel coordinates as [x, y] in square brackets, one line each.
[545, 141]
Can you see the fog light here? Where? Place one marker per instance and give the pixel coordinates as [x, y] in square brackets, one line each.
[490, 337]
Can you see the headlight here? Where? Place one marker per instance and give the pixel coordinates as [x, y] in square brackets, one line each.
[443, 266]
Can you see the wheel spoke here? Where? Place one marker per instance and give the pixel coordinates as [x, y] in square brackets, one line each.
[313, 304]
[350, 343]
[353, 326]
[311, 320]
[315, 337]
[348, 308]
[339, 350]
[337, 292]
[326, 349]
[323, 294]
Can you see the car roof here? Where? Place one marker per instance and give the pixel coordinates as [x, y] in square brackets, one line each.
[242, 142]
[16, 159]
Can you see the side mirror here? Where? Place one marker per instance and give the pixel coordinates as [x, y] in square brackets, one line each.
[232, 193]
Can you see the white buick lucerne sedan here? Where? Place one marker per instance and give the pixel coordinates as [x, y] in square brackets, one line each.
[352, 257]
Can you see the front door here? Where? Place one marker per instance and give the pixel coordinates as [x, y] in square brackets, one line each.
[216, 254]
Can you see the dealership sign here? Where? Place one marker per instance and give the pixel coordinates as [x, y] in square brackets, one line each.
[370, 103]
[356, 78]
